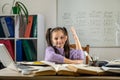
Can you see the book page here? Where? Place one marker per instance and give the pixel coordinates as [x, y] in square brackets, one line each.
[61, 69]
[44, 71]
[42, 68]
[86, 67]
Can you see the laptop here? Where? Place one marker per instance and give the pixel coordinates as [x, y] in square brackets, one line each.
[8, 62]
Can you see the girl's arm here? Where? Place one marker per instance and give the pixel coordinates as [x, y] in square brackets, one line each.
[69, 61]
[78, 47]
[51, 56]
[77, 41]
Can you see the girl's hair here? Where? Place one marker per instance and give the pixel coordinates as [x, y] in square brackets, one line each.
[49, 42]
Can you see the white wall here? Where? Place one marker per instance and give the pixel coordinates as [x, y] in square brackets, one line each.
[110, 53]
[95, 21]
[49, 9]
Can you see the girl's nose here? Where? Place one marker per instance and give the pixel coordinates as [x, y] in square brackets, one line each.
[59, 40]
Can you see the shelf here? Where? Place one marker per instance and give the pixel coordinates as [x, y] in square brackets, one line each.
[27, 39]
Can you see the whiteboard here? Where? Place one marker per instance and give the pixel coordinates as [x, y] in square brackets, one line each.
[97, 22]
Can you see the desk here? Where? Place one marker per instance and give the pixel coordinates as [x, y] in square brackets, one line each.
[60, 78]
[7, 74]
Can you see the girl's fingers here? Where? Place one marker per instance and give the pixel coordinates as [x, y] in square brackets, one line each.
[73, 30]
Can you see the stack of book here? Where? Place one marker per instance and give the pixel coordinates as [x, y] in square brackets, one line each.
[112, 66]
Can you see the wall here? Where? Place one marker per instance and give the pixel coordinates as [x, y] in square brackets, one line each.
[96, 23]
[102, 53]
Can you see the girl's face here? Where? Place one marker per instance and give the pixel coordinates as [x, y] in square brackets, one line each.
[58, 39]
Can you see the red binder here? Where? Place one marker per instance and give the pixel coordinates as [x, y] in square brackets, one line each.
[28, 27]
[9, 45]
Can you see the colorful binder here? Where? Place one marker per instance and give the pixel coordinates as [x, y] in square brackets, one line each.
[2, 35]
[10, 25]
[9, 45]
[4, 26]
[28, 27]
[34, 27]
[29, 50]
[19, 54]
[22, 25]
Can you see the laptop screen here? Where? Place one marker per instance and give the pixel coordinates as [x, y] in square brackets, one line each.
[6, 59]
[8, 62]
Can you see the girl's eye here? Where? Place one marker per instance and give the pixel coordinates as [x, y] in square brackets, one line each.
[56, 38]
[62, 37]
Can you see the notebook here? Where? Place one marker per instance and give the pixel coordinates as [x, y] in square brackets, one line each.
[8, 62]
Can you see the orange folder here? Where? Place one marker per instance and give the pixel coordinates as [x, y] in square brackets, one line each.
[28, 27]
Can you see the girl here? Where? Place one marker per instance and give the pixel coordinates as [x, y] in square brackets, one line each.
[58, 49]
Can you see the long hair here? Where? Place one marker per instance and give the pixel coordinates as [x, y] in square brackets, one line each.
[49, 41]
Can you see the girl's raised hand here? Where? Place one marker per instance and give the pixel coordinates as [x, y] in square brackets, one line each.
[77, 41]
[74, 33]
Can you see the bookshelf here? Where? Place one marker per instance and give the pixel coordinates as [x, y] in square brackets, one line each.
[25, 42]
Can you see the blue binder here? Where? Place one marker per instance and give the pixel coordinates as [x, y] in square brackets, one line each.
[19, 54]
[2, 35]
[10, 24]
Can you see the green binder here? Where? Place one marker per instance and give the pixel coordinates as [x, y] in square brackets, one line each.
[34, 27]
[29, 49]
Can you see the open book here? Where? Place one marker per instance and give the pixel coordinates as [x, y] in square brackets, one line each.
[85, 69]
[48, 68]
[56, 69]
